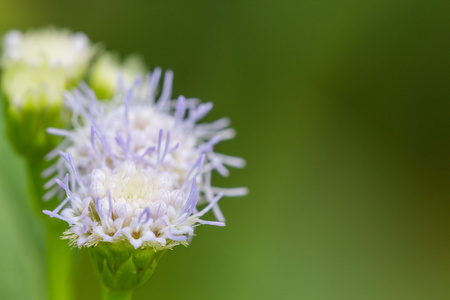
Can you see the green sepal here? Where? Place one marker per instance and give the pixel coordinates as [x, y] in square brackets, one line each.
[107, 276]
[127, 275]
[150, 260]
[122, 267]
[26, 129]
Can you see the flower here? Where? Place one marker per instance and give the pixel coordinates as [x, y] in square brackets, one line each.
[57, 48]
[161, 134]
[37, 66]
[139, 170]
[138, 205]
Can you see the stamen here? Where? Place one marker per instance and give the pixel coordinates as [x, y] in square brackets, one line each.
[146, 214]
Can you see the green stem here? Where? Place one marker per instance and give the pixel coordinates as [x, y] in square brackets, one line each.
[60, 263]
[108, 294]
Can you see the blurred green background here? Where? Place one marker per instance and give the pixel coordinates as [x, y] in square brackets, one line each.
[343, 115]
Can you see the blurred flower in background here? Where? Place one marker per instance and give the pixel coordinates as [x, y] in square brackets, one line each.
[108, 72]
[37, 66]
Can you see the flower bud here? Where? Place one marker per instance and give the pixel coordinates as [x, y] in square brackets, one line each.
[108, 71]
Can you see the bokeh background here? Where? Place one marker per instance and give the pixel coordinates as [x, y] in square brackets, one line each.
[342, 110]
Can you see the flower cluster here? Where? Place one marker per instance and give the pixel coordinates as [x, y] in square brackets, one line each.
[140, 166]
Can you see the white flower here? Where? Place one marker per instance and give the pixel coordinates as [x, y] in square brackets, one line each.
[162, 135]
[56, 48]
[131, 203]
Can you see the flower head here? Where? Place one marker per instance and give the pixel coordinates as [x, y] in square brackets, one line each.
[162, 135]
[139, 168]
[56, 48]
